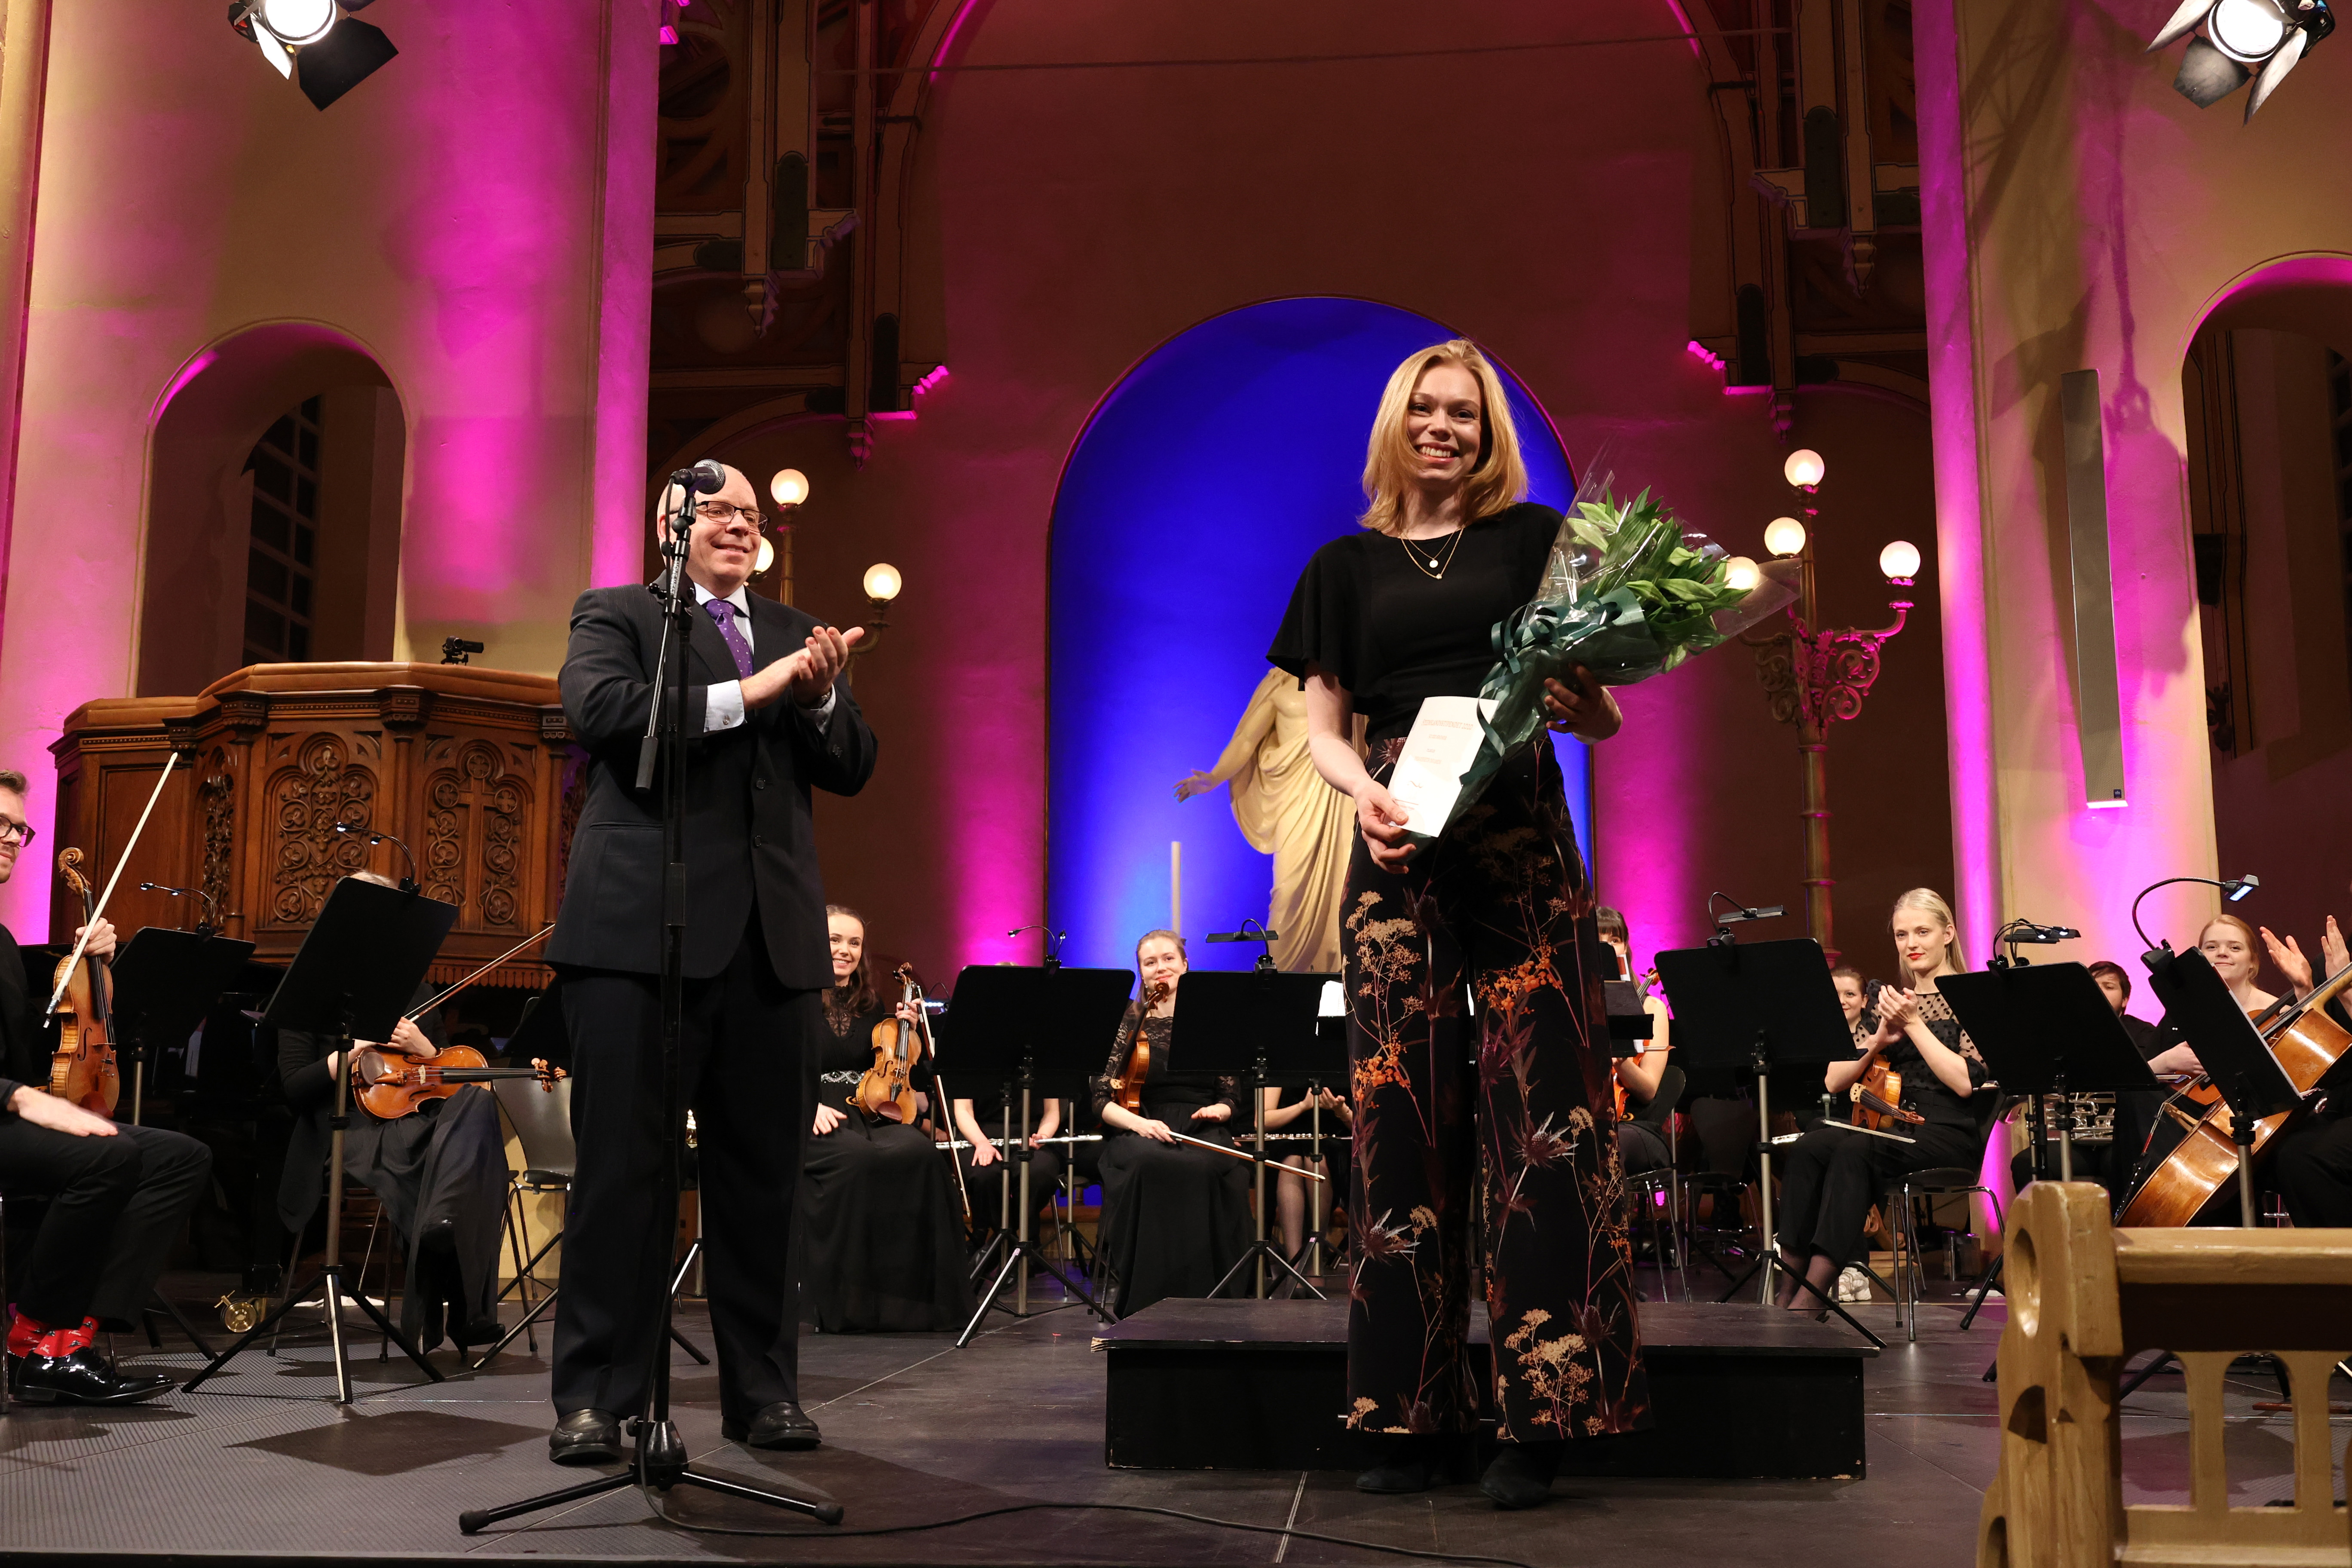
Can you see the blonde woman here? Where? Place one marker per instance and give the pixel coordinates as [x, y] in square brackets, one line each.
[1500, 905]
[1833, 1174]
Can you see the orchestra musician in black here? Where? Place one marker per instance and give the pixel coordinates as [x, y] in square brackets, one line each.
[117, 1193]
[770, 721]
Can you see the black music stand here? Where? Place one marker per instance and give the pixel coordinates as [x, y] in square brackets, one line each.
[165, 980]
[1765, 1005]
[1258, 1025]
[2230, 1050]
[1018, 1024]
[353, 977]
[2045, 1030]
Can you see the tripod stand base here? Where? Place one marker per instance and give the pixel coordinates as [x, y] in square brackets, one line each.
[1259, 1248]
[659, 1463]
[1013, 1258]
[336, 1293]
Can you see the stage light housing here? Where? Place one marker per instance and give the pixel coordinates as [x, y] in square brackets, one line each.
[1899, 562]
[790, 487]
[883, 583]
[316, 43]
[1784, 536]
[1742, 574]
[1804, 468]
[2236, 40]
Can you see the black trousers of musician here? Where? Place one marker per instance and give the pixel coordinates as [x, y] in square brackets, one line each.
[2312, 1163]
[1829, 1180]
[985, 1184]
[1516, 1096]
[746, 1041]
[116, 1205]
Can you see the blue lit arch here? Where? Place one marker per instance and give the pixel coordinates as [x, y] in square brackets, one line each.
[1198, 489]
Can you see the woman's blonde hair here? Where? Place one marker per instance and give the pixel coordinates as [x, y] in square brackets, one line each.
[1932, 901]
[1498, 479]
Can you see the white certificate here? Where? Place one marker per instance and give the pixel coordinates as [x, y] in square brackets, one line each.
[1445, 741]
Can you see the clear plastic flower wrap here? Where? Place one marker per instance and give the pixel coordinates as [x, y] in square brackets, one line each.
[1628, 593]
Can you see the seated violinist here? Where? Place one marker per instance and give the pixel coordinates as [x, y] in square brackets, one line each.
[1833, 1175]
[878, 1242]
[117, 1193]
[440, 1173]
[1175, 1216]
[2312, 1157]
[1642, 1143]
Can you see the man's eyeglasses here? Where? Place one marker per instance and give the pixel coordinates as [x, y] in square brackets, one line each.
[722, 513]
[20, 832]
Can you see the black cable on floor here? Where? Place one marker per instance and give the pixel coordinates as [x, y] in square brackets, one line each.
[655, 1501]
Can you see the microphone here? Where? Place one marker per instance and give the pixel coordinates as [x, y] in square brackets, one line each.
[706, 478]
[2025, 932]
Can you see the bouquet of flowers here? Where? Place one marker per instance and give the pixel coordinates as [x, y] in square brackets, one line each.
[1627, 593]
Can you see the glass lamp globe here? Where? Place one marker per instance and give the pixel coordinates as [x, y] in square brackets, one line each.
[882, 583]
[1804, 468]
[298, 21]
[1741, 574]
[790, 487]
[1784, 536]
[1899, 562]
[767, 555]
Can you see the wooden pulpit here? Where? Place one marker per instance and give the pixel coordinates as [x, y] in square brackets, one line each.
[474, 769]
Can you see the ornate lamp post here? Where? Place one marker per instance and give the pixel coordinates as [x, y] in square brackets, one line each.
[1814, 678]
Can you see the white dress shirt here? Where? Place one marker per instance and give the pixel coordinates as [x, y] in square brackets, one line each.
[723, 705]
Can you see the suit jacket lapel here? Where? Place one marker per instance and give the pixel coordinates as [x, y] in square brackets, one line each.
[771, 632]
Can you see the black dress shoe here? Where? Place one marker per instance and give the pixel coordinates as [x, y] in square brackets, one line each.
[84, 1377]
[585, 1437]
[783, 1424]
[1521, 1474]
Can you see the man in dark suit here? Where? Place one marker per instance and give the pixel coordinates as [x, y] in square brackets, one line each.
[118, 1194]
[769, 720]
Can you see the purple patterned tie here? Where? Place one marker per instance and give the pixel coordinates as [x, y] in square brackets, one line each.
[724, 613]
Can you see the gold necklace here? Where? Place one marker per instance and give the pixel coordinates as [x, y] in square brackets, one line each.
[1434, 568]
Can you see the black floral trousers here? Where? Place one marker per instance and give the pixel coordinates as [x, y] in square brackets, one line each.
[1516, 1091]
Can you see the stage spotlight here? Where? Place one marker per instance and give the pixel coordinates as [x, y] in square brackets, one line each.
[315, 40]
[1899, 562]
[1784, 536]
[2263, 39]
[790, 487]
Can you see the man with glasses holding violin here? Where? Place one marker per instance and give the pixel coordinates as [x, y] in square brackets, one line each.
[117, 1192]
[772, 721]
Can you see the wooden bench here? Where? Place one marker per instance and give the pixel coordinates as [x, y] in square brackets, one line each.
[2084, 1298]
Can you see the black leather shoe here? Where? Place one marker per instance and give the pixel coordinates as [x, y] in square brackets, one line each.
[783, 1424]
[85, 1377]
[585, 1437]
[1521, 1474]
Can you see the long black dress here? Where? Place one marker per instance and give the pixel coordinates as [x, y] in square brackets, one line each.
[440, 1174]
[880, 1243]
[1174, 1218]
[1511, 1101]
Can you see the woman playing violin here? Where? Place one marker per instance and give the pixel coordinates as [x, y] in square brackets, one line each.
[1175, 1217]
[440, 1174]
[879, 1245]
[1835, 1175]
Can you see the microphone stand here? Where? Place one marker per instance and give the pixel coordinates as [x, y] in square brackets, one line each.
[660, 1459]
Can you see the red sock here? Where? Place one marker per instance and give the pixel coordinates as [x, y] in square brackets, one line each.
[65, 1341]
[23, 1333]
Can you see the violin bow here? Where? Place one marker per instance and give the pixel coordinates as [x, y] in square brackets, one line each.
[493, 963]
[98, 913]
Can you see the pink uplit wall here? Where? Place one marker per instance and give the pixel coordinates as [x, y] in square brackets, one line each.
[2081, 215]
[1069, 221]
[474, 217]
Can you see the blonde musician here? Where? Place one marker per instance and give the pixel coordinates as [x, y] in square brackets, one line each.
[1175, 1216]
[878, 1242]
[1834, 1173]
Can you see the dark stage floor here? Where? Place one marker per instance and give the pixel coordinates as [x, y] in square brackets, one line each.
[916, 1430]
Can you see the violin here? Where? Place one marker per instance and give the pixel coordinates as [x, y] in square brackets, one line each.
[390, 1086]
[1127, 1088]
[883, 1093]
[82, 1069]
[1878, 1092]
[2196, 1175]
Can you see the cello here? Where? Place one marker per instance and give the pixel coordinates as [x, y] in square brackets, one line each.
[82, 1069]
[2197, 1175]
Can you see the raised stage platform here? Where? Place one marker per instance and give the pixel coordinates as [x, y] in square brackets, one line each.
[1740, 1392]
